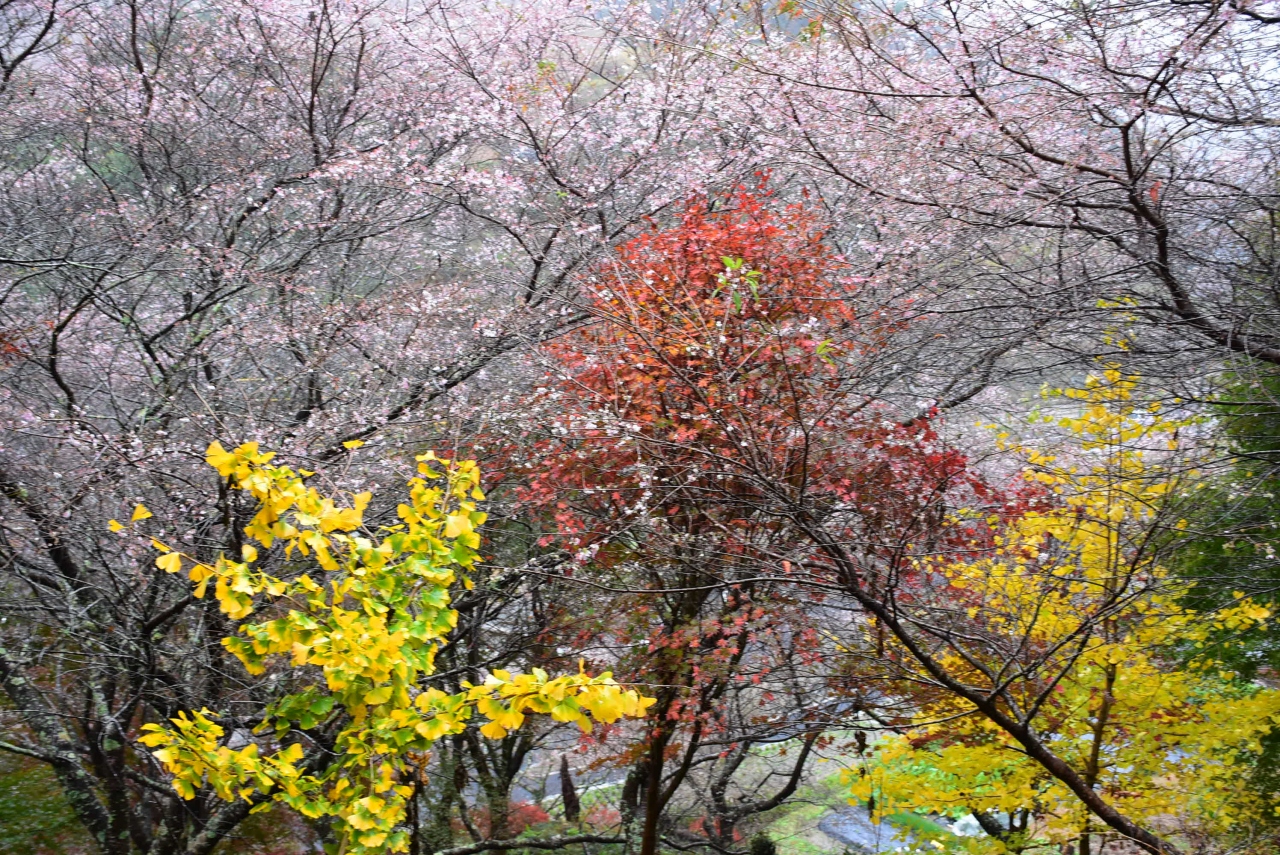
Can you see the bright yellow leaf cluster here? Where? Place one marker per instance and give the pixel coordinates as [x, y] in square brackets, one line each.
[367, 612]
[1072, 625]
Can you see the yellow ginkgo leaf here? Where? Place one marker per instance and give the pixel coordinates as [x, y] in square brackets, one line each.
[455, 525]
[378, 696]
[170, 562]
[221, 459]
[140, 513]
[115, 525]
[200, 574]
[353, 444]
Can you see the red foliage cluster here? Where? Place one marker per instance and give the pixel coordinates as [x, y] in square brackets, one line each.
[520, 816]
[725, 405]
[731, 376]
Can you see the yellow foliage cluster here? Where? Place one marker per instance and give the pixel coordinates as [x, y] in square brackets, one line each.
[367, 612]
[1072, 626]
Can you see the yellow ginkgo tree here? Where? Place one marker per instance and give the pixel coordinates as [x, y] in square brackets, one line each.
[363, 614]
[1070, 705]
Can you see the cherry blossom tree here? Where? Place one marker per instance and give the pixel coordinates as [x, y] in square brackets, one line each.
[1077, 167]
[315, 227]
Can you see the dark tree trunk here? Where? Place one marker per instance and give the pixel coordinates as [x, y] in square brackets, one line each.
[572, 807]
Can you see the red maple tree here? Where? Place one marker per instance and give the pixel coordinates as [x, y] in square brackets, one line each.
[727, 404]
